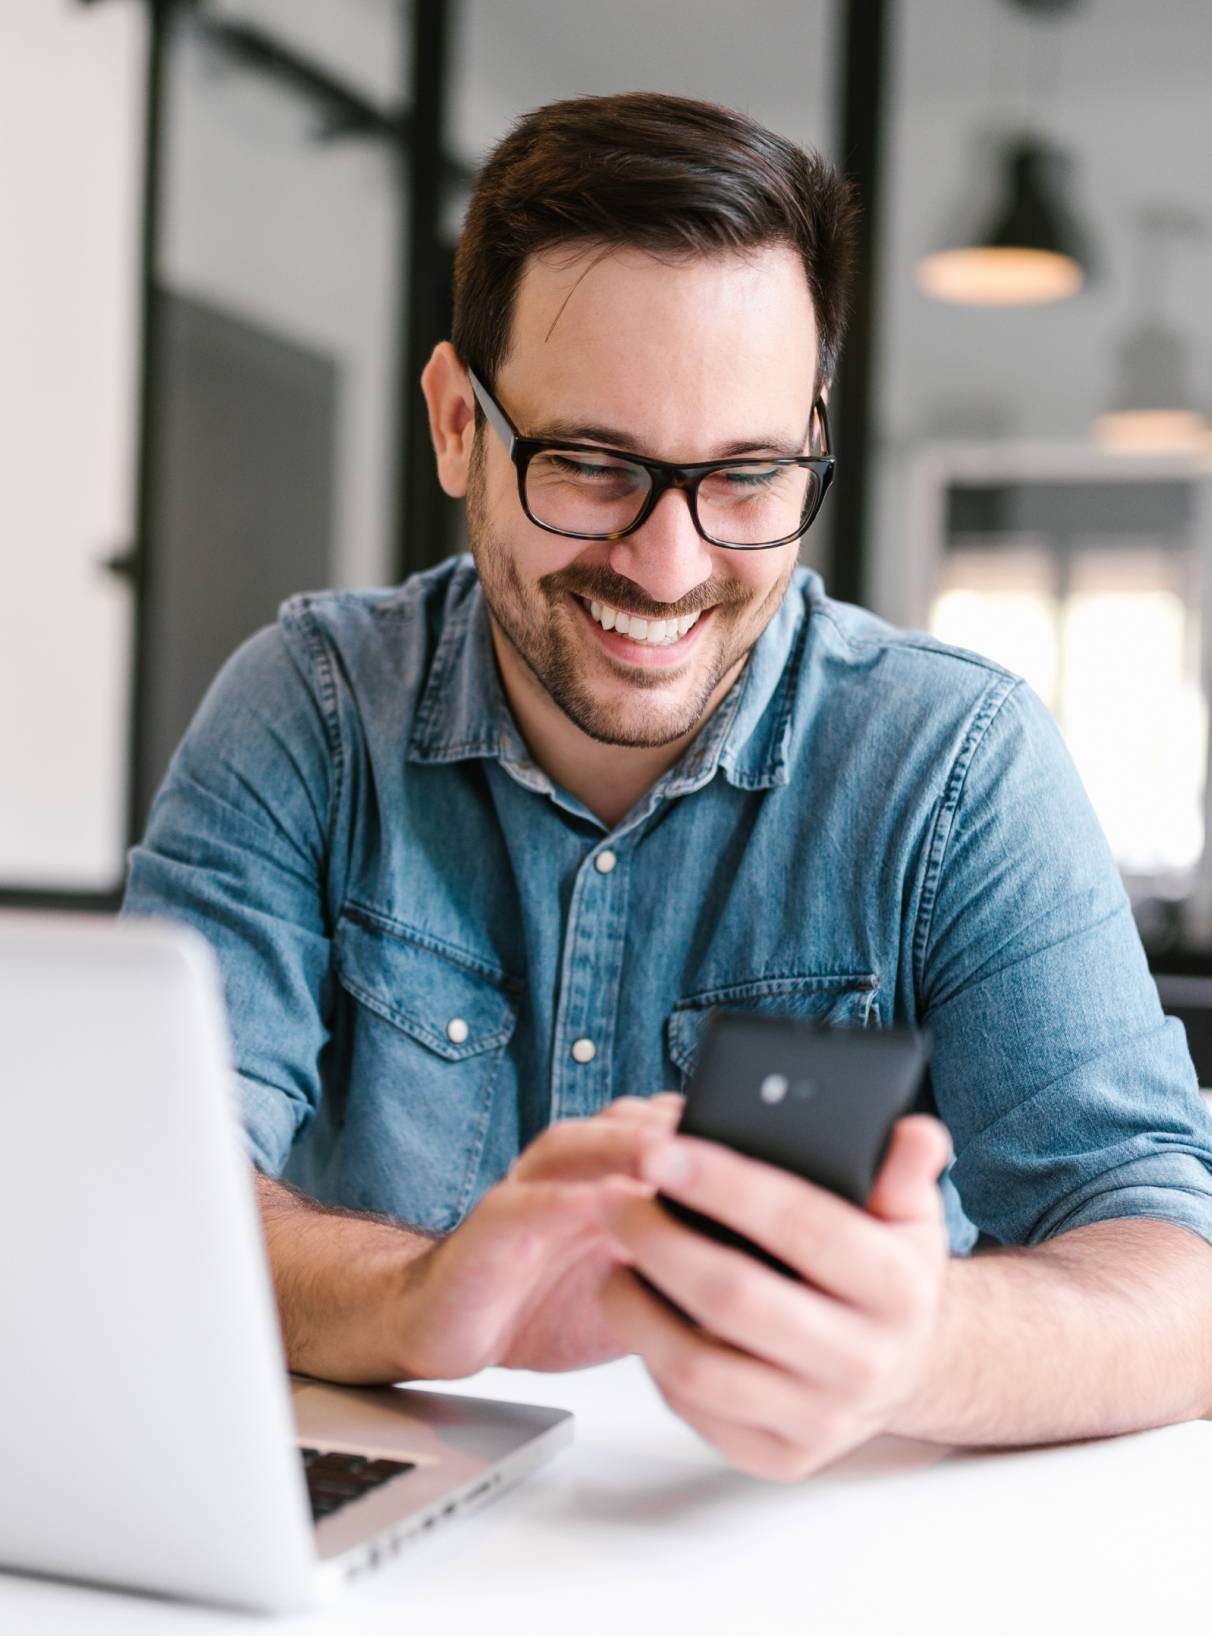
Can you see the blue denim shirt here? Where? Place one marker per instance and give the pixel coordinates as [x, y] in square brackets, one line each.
[416, 925]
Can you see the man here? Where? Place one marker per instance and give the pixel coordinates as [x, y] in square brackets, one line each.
[479, 854]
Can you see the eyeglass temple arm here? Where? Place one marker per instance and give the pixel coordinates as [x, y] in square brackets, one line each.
[822, 415]
[493, 413]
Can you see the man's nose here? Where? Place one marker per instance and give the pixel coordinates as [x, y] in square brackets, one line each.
[666, 557]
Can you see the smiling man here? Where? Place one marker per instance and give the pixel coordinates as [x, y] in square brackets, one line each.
[479, 855]
[630, 644]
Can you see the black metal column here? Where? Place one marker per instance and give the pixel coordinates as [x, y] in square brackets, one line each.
[423, 514]
[142, 562]
[863, 88]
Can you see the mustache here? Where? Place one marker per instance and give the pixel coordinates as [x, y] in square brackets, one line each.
[600, 584]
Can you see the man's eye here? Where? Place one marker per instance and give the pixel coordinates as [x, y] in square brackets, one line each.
[570, 468]
[738, 480]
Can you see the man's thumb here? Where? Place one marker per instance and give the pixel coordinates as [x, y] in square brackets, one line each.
[904, 1188]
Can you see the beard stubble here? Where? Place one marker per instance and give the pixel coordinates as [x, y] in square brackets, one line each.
[537, 631]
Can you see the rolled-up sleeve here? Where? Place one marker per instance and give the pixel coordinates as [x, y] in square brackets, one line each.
[1070, 1098]
[236, 846]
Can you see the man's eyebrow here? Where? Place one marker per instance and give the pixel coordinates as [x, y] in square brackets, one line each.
[570, 431]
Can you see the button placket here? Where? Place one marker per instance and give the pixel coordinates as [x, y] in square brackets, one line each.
[589, 985]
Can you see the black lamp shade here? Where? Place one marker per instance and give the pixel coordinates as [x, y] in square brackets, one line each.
[1033, 215]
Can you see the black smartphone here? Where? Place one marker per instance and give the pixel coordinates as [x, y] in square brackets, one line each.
[819, 1102]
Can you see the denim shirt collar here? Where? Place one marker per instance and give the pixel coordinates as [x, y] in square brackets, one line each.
[463, 712]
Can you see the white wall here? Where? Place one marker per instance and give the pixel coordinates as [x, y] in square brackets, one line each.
[774, 60]
[71, 106]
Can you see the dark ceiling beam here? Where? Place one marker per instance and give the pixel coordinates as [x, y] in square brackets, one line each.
[349, 111]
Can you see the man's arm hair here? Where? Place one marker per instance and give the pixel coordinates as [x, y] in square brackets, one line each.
[339, 1279]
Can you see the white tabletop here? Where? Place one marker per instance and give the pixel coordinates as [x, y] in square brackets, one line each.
[640, 1528]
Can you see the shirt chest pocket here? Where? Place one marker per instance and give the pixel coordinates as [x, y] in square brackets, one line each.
[428, 1031]
[844, 1000]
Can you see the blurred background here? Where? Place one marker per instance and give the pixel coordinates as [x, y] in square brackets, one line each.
[228, 237]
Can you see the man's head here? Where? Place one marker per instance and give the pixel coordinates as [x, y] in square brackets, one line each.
[656, 276]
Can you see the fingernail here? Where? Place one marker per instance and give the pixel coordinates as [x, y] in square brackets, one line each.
[669, 1164]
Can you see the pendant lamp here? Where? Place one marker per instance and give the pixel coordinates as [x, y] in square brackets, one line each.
[1029, 253]
[1029, 250]
[1153, 409]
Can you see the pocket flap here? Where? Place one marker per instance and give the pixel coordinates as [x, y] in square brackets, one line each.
[843, 1000]
[432, 994]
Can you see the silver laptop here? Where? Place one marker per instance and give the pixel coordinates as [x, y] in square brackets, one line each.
[149, 1434]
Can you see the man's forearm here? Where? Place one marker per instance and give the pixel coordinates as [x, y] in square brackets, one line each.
[339, 1279]
[1103, 1330]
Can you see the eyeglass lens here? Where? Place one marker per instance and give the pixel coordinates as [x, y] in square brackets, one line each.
[580, 492]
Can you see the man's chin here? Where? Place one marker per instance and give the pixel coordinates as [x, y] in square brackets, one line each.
[625, 735]
[645, 711]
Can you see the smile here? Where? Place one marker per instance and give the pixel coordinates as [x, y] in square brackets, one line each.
[655, 632]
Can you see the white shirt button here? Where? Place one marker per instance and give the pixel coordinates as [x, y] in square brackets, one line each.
[605, 862]
[456, 1030]
[583, 1050]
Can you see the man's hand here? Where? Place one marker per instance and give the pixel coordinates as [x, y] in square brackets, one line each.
[519, 1281]
[784, 1377]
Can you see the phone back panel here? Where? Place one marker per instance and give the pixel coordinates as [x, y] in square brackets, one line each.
[818, 1102]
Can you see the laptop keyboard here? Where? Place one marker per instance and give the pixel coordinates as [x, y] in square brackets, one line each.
[334, 1478]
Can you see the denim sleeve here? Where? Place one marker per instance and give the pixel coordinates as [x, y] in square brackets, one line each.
[1070, 1098]
[236, 847]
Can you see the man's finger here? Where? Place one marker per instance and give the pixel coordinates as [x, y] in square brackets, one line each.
[587, 1149]
[472, 1286]
[917, 1154]
[664, 1108]
[835, 1245]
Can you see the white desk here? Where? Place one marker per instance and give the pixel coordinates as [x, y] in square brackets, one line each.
[639, 1528]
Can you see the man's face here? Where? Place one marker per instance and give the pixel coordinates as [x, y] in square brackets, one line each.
[679, 360]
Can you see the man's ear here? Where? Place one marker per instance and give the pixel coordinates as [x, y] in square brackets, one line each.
[452, 417]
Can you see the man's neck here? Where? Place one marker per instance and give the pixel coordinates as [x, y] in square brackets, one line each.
[607, 778]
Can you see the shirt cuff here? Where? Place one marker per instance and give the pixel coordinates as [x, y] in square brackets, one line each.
[270, 1125]
[1175, 1188]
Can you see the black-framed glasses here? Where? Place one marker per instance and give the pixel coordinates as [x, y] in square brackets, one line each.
[590, 493]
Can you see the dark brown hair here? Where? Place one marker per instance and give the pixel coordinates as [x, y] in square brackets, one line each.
[658, 172]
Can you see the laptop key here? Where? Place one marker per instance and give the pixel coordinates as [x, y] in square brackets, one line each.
[385, 1469]
[334, 1477]
[333, 1488]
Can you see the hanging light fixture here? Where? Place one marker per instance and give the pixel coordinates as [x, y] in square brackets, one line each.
[1029, 253]
[1030, 250]
[1153, 410]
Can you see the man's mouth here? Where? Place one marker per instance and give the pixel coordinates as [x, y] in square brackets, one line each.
[653, 633]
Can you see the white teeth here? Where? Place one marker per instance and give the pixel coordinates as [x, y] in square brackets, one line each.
[654, 632]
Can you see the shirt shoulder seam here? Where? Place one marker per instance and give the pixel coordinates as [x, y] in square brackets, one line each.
[298, 613]
[989, 708]
[916, 643]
